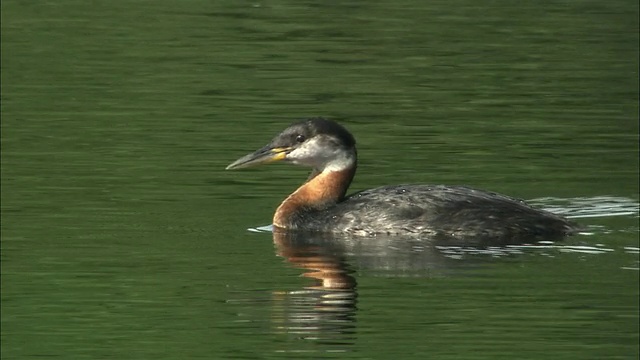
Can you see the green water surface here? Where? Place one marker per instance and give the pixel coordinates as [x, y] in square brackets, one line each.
[123, 237]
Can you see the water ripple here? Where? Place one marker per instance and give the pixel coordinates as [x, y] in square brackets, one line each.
[586, 207]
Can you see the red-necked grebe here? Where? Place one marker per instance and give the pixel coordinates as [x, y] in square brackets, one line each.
[320, 203]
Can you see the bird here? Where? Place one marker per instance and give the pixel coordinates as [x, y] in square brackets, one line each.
[454, 212]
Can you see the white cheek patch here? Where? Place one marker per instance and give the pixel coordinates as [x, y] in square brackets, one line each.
[340, 163]
[320, 154]
[312, 153]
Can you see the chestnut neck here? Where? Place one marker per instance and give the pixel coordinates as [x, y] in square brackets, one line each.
[320, 191]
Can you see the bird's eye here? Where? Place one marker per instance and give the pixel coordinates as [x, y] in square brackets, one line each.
[300, 138]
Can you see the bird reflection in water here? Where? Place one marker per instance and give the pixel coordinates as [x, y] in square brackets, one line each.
[324, 311]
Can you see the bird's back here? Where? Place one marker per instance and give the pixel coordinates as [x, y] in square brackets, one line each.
[446, 212]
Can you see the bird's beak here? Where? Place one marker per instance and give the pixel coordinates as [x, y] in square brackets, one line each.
[263, 156]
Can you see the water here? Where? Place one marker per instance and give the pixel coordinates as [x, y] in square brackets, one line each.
[123, 237]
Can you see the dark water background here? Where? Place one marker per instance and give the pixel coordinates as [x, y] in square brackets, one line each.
[123, 237]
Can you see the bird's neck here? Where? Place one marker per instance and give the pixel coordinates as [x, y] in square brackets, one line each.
[322, 190]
